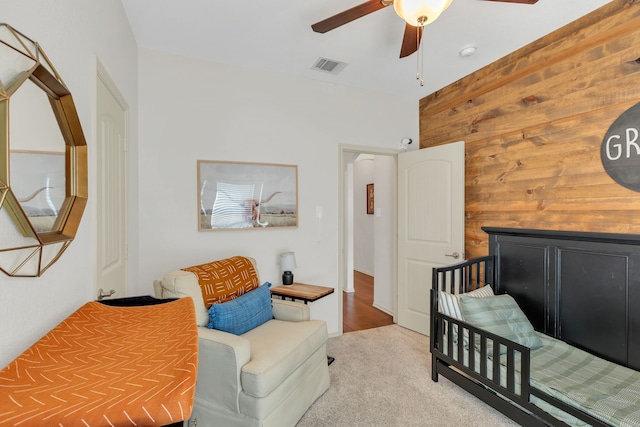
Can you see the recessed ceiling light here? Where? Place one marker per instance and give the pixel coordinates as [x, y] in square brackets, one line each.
[467, 50]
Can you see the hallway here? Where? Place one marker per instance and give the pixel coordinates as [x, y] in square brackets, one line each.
[358, 311]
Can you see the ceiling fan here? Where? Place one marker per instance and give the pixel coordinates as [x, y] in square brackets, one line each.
[412, 32]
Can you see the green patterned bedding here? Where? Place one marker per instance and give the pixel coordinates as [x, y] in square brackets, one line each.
[600, 388]
[603, 389]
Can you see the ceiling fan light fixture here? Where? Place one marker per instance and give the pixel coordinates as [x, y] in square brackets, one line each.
[420, 12]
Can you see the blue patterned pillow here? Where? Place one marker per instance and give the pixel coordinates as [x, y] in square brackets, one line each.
[244, 313]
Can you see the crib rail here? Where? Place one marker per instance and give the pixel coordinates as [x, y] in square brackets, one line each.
[489, 366]
[465, 276]
[478, 356]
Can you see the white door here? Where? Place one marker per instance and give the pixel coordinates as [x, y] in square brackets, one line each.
[430, 225]
[111, 194]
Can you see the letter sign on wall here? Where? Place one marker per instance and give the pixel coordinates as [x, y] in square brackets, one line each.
[620, 150]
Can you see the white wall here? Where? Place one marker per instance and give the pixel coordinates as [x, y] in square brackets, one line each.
[193, 109]
[363, 231]
[72, 33]
[384, 231]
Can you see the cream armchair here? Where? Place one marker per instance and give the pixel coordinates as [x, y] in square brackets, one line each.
[268, 376]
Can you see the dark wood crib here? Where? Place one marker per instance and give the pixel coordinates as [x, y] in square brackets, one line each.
[581, 288]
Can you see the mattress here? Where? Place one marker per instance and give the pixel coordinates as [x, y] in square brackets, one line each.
[605, 390]
[106, 366]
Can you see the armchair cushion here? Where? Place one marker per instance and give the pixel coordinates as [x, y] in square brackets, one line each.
[244, 313]
[278, 348]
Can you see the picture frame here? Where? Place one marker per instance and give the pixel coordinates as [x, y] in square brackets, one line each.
[370, 201]
[241, 195]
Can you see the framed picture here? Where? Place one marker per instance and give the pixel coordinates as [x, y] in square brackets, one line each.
[370, 204]
[235, 195]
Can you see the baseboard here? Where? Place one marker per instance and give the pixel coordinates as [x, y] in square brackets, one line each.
[363, 272]
[390, 313]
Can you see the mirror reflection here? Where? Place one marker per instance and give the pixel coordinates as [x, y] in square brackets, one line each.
[37, 171]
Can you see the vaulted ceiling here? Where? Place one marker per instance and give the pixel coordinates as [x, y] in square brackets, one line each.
[276, 36]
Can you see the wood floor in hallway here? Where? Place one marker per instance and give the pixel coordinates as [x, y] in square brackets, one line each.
[358, 310]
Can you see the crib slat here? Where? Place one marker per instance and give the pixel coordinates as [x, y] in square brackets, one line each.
[483, 356]
[496, 363]
[510, 371]
[472, 359]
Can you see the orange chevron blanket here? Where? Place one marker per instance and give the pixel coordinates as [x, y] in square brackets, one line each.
[106, 366]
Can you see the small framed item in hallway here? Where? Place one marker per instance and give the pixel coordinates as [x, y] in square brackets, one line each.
[370, 204]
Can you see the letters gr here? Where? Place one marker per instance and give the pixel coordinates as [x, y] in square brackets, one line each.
[615, 147]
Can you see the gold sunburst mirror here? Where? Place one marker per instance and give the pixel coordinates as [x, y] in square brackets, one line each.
[43, 159]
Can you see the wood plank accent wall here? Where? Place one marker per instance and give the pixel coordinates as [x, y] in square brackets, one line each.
[533, 123]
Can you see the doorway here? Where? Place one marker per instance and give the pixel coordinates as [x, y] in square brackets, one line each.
[381, 267]
[112, 127]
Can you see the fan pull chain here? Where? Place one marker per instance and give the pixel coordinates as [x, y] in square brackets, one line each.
[420, 56]
[421, 64]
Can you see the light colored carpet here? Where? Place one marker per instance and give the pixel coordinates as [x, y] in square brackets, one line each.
[382, 377]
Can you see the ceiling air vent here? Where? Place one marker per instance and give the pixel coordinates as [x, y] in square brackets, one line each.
[329, 66]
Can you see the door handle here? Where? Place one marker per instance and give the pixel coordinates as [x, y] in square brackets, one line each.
[454, 255]
[102, 294]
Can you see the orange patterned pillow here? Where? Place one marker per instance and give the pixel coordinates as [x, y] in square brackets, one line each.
[225, 279]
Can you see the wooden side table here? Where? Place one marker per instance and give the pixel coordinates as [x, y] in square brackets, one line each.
[301, 291]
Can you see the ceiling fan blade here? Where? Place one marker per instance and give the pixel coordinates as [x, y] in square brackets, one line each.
[411, 40]
[517, 1]
[348, 15]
